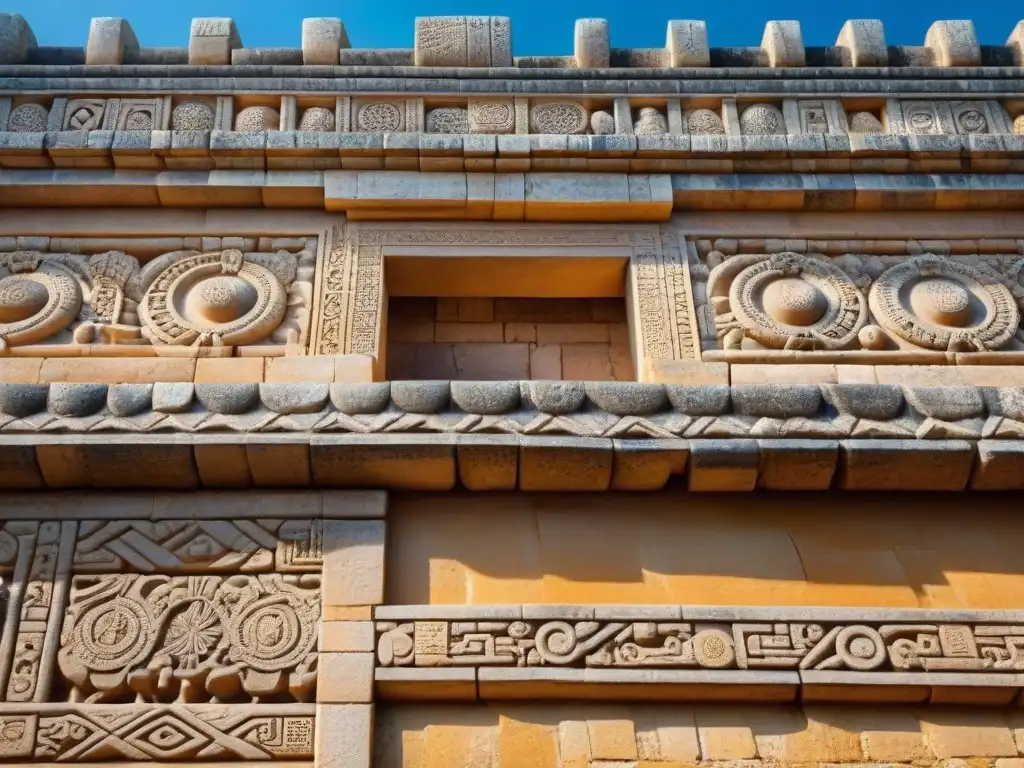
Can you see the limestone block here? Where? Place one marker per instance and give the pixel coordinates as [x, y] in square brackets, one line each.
[960, 733]
[999, 466]
[410, 462]
[527, 744]
[488, 462]
[723, 465]
[863, 43]
[278, 461]
[212, 41]
[322, 39]
[16, 39]
[353, 552]
[783, 44]
[612, 739]
[591, 44]
[724, 735]
[646, 465]
[565, 464]
[687, 44]
[344, 735]
[221, 461]
[345, 678]
[463, 41]
[797, 465]
[18, 468]
[110, 39]
[906, 465]
[470, 745]
[347, 637]
[953, 44]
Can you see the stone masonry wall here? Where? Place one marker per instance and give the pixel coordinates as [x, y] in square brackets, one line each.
[492, 339]
[642, 735]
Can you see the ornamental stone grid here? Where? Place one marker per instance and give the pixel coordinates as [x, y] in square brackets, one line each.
[678, 392]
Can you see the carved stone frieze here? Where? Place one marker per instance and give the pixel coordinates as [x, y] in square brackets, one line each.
[190, 638]
[186, 297]
[93, 733]
[848, 300]
[710, 644]
[559, 117]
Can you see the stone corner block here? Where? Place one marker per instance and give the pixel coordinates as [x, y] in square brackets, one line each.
[783, 43]
[345, 678]
[863, 43]
[344, 735]
[687, 44]
[212, 41]
[322, 39]
[110, 38]
[353, 552]
[953, 44]
[592, 48]
[16, 38]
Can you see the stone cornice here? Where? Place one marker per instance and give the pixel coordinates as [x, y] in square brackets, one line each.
[503, 435]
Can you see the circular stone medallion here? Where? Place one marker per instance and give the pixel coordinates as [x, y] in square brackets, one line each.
[943, 304]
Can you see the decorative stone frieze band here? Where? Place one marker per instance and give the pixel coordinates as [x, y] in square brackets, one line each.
[537, 436]
[658, 652]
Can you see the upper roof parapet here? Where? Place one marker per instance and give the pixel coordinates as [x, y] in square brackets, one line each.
[486, 42]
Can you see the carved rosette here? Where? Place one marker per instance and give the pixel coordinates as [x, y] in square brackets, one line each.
[213, 299]
[944, 305]
[790, 301]
[38, 298]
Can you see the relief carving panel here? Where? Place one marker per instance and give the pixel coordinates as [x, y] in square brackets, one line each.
[138, 640]
[225, 297]
[846, 301]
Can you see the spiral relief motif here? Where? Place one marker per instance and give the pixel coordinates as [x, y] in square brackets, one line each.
[944, 305]
[791, 301]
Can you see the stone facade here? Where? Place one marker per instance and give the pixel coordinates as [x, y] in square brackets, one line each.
[433, 407]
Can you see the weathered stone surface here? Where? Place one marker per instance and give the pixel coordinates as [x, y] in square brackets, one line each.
[486, 397]
[420, 396]
[130, 399]
[358, 398]
[110, 40]
[627, 398]
[77, 399]
[172, 397]
[228, 399]
[22, 400]
[294, 398]
[591, 48]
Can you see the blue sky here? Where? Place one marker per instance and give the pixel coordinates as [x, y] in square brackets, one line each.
[539, 26]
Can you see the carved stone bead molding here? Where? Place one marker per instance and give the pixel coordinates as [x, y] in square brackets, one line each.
[183, 297]
[786, 300]
[891, 655]
[582, 409]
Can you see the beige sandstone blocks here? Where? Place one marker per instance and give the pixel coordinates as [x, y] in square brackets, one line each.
[586, 735]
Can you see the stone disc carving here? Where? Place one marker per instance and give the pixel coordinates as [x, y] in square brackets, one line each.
[945, 305]
[270, 636]
[113, 635]
[213, 299]
[37, 299]
[791, 301]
